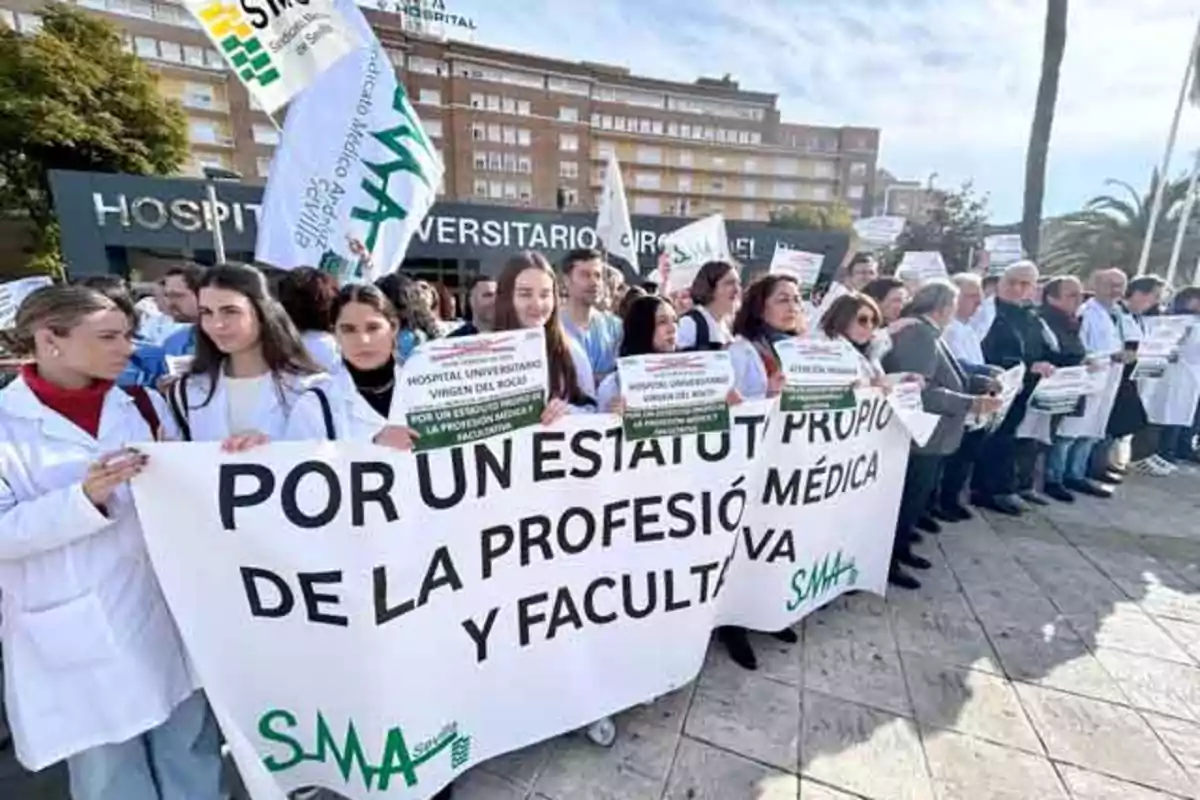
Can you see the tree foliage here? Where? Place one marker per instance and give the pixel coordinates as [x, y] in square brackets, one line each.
[72, 98]
[955, 228]
[1110, 229]
[836, 217]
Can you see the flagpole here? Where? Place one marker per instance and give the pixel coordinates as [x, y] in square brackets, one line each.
[1185, 216]
[1156, 206]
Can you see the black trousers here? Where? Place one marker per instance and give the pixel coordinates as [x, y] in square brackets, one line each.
[996, 466]
[956, 468]
[919, 482]
[1145, 443]
[1026, 456]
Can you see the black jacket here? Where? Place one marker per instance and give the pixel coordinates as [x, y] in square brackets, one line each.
[1016, 337]
[1070, 351]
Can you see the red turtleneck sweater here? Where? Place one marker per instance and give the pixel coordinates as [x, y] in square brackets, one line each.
[81, 406]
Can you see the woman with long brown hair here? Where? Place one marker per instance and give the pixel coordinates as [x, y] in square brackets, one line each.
[95, 670]
[527, 297]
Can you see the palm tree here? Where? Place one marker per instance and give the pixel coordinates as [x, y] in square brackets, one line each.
[1053, 46]
[1108, 232]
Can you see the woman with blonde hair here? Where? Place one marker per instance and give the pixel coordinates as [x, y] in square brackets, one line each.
[95, 672]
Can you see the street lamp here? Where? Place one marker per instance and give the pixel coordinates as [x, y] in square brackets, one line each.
[212, 175]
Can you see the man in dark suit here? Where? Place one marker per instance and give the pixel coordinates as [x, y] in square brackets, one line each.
[1016, 337]
[948, 392]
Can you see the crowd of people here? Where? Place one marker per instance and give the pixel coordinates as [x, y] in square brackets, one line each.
[95, 671]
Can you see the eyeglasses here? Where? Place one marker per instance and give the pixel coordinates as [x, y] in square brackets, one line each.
[866, 320]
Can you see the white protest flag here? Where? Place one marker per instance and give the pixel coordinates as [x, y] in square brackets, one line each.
[879, 231]
[355, 173]
[13, 293]
[412, 615]
[691, 247]
[276, 49]
[803, 266]
[613, 225]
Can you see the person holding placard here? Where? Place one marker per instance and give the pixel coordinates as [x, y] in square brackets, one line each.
[1176, 400]
[771, 312]
[1129, 412]
[650, 326]
[95, 670]
[1062, 298]
[250, 366]
[950, 393]
[857, 319]
[715, 296]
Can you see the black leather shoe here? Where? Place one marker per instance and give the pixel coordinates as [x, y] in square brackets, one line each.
[958, 512]
[1056, 491]
[911, 559]
[787, 636]
[1001, 505]
[898, 577]
[1033, 498]
[939, 513]
[738, 645]
[929, 525]
[1089, 488]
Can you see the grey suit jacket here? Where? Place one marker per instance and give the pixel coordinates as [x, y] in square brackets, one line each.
[948, 388]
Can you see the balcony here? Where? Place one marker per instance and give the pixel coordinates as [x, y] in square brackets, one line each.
[204, 103]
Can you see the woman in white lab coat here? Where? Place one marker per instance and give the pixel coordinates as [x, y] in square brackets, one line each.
[95, 672]
[771, 311]
[361, 402]
[250, 366]
[856, 319]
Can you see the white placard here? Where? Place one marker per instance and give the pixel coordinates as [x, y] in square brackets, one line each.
[922, 265]
[672, 394]
[1003, 249]
[879, 230]
[461, 389]
[1060, 393]
[803, 266]
[819, 374]
[178, 366]
[13, 293]
[690, 248]
[905, 398]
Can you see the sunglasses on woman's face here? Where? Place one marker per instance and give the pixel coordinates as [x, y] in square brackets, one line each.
[866, 320]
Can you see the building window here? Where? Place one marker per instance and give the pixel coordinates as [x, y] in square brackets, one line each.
[264, 167]
[495, 162]
[649, 155]
[202, 131]
[858, 169]
[524, 137]
[718, 184]
[656, 127]
[750, 165]
[145, 46]
[509, 134]
[213, 60]
[568, 114]
[570, 197]
[171, 51]
[31, 24]
[568, 169]
[477, 101]
[673, 129]
[193, 56]
[493, 133]
[750, 188]
[525, 191]
[266, 134]
[784, 191]
[524, 108]
[525, 165]
[429, 97]
[684, 158]
[567, 86]
[786, 166]
[568, 142]
[823, 169]
[748, 211]
[479, 160]
[481, 187]
[606, 122]
[478, 131]
[606, 149]
[433, 128]
[426, 66]
[510, 162]
[820, 193]
[855, 192]
[685, 131]
[647, 205]
[495, 190]
[493, 102]
[685, 183]
[508, 105]
[647, 180]
[510, 191]
[718, 162]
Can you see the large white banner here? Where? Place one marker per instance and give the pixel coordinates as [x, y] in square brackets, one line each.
[377, 622]
[355, 173]
[275, 48]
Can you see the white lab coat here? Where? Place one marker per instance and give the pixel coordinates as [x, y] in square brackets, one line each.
[91, 653]
[1102, 338]
[209, 422]
[749, 372]
[687, 334]
[323, 348]
[608, 393]
[984, 316]
[353, 417]
[1172, 399]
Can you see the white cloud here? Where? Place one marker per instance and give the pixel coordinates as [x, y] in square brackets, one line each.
[951, 85]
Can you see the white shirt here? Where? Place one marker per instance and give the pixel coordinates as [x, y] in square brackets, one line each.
[608, 393]
[323, 348]
[964, 342]
[1099, 332]
[243, 394]
[983, 317]
[583, 371]
[686, 336]
[354, 419]
[265, 410]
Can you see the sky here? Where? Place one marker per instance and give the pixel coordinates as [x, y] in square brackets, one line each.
[950, 83]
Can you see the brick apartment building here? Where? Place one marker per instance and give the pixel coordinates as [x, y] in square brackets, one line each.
[522, 130]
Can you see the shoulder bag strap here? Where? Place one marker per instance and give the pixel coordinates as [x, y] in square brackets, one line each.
[177, 398]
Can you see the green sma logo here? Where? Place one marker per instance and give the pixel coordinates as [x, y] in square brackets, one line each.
[375, 769]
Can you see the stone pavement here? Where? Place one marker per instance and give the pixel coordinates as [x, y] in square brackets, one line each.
[1052, 656]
